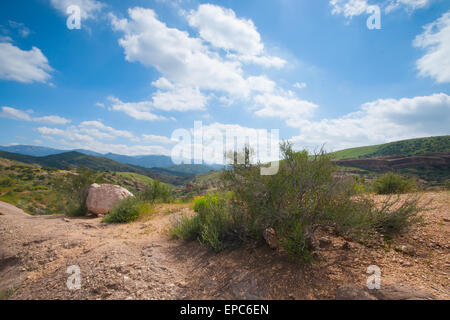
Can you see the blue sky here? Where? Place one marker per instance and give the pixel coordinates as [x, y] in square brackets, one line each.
[138, 70]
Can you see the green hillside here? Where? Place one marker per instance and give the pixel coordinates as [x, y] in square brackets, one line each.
[409, 147]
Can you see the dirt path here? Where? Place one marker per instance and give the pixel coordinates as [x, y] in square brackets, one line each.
[139, 261]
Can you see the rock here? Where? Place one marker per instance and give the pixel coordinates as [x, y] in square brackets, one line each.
[103, 197]
[401, 291]
[324, 242]
[271, 238]
[353, 292]
[407, 249]
[346, 246]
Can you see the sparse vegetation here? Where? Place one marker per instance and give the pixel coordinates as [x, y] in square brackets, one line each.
[392, 183]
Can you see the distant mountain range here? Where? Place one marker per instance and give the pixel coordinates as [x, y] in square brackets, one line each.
[145, 161]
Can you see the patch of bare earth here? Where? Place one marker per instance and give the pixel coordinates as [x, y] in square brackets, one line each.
[139, 261]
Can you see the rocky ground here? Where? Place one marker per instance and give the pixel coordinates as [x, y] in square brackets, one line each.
[139, 261]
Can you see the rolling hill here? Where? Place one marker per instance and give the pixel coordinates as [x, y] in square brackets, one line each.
[404, 148]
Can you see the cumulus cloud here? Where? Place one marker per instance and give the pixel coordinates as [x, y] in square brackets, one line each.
[220, 27]
[22, 65]
[286, 107]
[15, 114]
[89, 8]
[436, 41]
[168, 98]
[224, 30]
[379, 121]
[177, 56]
[179, 98]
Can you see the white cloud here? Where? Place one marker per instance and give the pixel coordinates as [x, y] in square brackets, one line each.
[23, 66]
[51, 131]
[179, 98]
[408, 4]
[177, 56]
[380, 121]
[224, 30]
[89, 8]
[96, 127]
[52, 120]
[20, 28]
[261, 84]
[351, 8]
[11, 113]
[220, 27]
[162, 83]
[15, 114]
[157, 139]
[436, 41]
[286, 107]
[299, 85]
[136, 110]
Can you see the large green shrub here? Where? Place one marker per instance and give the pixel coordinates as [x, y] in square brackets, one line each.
[304, 195]
[391, 183]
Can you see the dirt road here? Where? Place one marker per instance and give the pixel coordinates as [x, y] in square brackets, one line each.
[139, 261]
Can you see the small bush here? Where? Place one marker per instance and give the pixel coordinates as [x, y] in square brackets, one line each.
[211, 226]
[127, 210]
[155, 191]
[392, 183]
[396, 215]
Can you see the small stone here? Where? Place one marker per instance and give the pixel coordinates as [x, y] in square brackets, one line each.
[271, 238]
[408, 249]
[324, 242]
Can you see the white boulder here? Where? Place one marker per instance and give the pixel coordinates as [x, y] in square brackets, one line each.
[103, 197]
